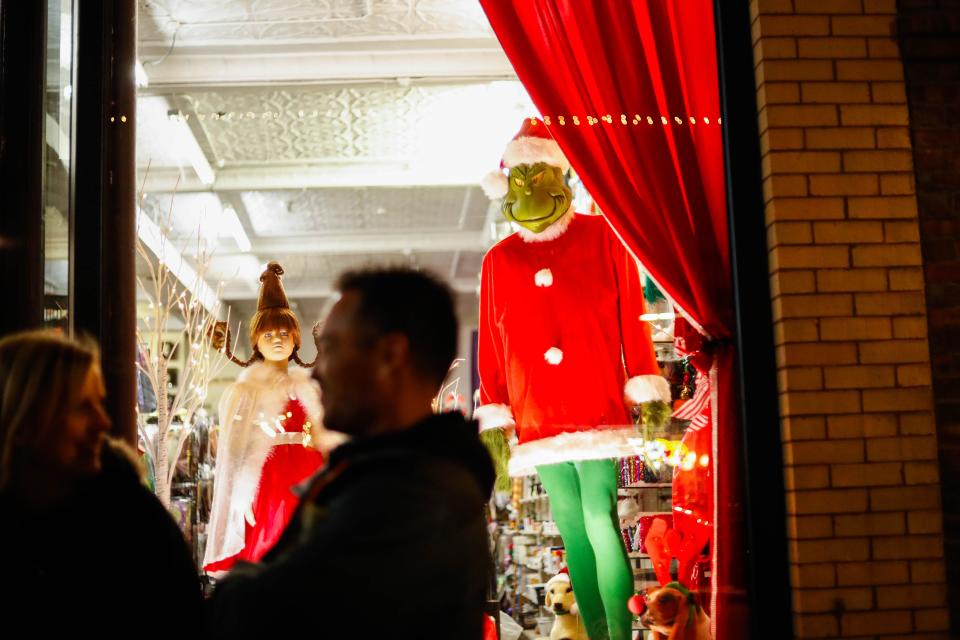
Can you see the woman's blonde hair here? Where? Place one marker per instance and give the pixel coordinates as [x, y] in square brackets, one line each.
[39, 372]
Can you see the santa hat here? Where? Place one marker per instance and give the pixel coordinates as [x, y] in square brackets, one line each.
[562, 576]
[532, 144]
[272, 295]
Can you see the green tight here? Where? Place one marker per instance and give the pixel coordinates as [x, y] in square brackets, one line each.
[583, 499]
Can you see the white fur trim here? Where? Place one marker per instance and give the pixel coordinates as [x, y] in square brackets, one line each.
[543, 278]
[552, 232]
[560, 577]
[553, 356]
[640, 389]
[494, 416]
[594, 444]
[530, 150]
[495, 185]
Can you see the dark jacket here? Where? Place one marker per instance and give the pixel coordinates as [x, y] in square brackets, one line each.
[389, 542]
[108, 561]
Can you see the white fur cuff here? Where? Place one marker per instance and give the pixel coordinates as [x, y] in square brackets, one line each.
[593, 444]
[494, 416]
[640, 389]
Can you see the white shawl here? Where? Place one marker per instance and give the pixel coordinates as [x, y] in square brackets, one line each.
[248, 409]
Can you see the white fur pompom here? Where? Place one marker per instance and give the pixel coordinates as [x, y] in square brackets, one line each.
[640, 389]
[543, 278]
[553, 356]
[494, 184]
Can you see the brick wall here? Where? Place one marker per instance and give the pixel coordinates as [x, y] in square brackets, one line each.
[930, 35]
[863, 494]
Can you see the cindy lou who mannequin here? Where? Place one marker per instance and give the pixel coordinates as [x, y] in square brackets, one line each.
[267, 420]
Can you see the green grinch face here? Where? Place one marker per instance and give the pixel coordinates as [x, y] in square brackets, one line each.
[537, 197]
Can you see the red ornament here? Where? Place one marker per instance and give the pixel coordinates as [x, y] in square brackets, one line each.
[637, 605]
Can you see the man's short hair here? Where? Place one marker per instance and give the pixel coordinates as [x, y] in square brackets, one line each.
[417, 304]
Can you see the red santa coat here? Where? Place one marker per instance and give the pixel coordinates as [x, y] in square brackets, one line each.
[560, 333]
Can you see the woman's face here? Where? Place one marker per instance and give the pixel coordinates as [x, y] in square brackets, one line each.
[275, 345]
[84, 425]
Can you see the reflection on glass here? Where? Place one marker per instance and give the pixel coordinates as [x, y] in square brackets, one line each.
[58, 134]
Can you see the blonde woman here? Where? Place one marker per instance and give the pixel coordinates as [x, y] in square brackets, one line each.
[88, 546]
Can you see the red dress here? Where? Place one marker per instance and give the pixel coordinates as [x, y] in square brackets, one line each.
[287, 465]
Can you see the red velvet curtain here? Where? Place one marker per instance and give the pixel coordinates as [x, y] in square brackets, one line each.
[629, 88]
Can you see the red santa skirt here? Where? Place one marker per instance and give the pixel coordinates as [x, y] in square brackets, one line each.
[286, 466]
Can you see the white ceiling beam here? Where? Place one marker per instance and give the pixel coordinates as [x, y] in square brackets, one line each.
[325, 289]
[373, 243]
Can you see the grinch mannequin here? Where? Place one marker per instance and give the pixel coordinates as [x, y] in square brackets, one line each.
[267, 418]
[563, 358]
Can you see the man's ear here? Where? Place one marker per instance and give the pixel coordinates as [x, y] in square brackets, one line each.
[394, 351]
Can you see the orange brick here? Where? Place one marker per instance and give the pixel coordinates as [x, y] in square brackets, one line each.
[882, 161]
[844, 185]
[793, 25]
[762, 7]
[869, 70]
[883, 48]
[785, 186]
[824, 600]
[906, 280]
[911, 448]
[850, 328]
[829, 280]
[810, 256]
[815, 551]
[801, 162]
[814, 575]
[816, 305]
[814, 115]
[874, 114]
[901, 232]
[932, 620]
[926, 596]
[775, 48]
[841, 138]
[801, 354]
[806, 208]
[909, 328]
[896, 185]
[874, 474]
[889, 92]
[803, 428]
[886, 255]
[790, 233]
[930, 521]
[786, 70]
[873, 573]
[893, 138]
[832, 48]
[870, 524]
[889, 304]
[894, 351]
[925, 571]
[809, 477]
[921, 473]
[913, 375]
[800, 379]
[862, 426]
[862, 25]
[908, 399]
[904, 498]
[876, 622]
[835, 92]
[824, 452]
[815, 626]
[834, 6]
[796, 281]
[907, 547]
[804, 403]
[858, 377]
[879, 6]
[802, 330]
[915, 424]
[779, 139]
[825, 502]
[886, 207]
[847, 232]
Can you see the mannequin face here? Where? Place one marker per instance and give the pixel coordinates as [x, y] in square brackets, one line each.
[84, 426]
[537, 196]
[275, 345]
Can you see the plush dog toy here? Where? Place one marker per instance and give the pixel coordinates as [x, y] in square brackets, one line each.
[672, 612]
[560, 600]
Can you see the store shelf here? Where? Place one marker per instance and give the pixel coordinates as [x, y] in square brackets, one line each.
[647, 485]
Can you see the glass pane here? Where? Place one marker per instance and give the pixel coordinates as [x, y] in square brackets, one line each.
[58, 134]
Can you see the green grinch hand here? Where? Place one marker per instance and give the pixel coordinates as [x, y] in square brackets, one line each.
[495, 440]
[655, 413]
[537, 196]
